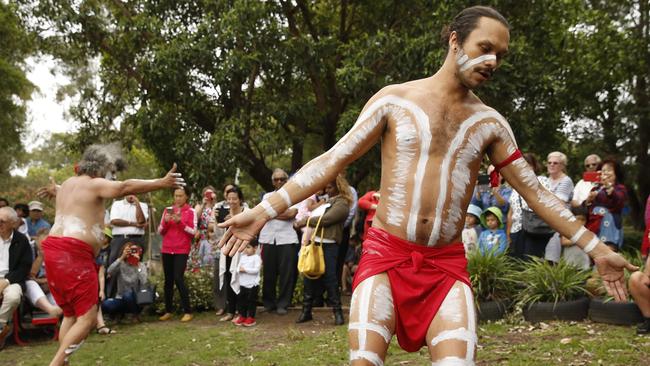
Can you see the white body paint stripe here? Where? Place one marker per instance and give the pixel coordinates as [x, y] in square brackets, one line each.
[364, 306]
[459, 334]
[591, 245]
[366, 355]
[578, 235]
[285, 196]
[475, 61]
[406, 140]
[422, 121]
[379, 329]
[471, 322]
[452, 361]
[269, 210]
[446, 165]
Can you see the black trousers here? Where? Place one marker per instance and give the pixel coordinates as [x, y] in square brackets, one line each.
[343, 250]
[534, 244]
[231, 296]
[115, 252]
[174, 270]
[247, 301]
[279, 262]
[327, 280]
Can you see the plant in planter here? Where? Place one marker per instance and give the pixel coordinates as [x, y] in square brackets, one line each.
[552, 291]
[491, 275]
[604, 310]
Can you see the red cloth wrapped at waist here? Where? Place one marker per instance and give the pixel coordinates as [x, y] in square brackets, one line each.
[71, 274]
[420, 278]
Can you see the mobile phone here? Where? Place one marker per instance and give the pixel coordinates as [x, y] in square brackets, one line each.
[223, 212]
[593, 177]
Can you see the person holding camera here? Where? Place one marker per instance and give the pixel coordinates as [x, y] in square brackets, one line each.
[589, 179]
[205, 218]
[177, 230]
[131, 275]
[606, 202]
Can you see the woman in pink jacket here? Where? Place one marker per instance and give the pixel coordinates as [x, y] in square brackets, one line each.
[177, 227]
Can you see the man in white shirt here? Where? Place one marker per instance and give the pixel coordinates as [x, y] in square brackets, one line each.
[582, 188]
[128, 218]
[279, 247]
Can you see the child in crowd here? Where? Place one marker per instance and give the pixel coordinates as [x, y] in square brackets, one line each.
[100, 261]
[250, 264]
[37, 290]
[494, 236]
[570, 252]
[472, 228]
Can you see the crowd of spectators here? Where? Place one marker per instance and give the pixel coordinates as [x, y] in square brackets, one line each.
[497, 221]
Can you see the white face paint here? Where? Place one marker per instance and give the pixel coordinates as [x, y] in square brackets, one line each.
[452, 151]
[464, 62]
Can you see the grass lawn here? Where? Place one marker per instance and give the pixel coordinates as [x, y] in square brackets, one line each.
[278, 341]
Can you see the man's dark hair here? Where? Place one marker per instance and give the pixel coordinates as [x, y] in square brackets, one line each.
[467, 20]
[21, 206]
[2, 199]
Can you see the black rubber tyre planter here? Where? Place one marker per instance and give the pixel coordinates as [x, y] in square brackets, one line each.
[563, 310]
[611, 312]
[492, 310]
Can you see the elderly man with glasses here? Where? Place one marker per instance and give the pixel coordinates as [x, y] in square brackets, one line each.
[279, 247]
[15, 263]
[583, 187]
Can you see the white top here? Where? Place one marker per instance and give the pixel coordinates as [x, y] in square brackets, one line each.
[562, 188]
[278, 231]
[581, 191]
[124, 210]
[4, 255]
[251, 275]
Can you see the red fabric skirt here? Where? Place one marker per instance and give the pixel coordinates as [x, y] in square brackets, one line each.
[71, 274]
[420, 278]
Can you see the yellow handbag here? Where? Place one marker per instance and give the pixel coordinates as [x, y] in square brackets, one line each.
[311, 261]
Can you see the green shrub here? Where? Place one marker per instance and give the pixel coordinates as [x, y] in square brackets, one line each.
[491, 275]
[199, 286]
[632, 239]
[542, 281]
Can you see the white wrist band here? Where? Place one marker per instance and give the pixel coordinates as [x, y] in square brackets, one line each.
[591, 245]
[285, 196]
[269, 210]
[578, 235]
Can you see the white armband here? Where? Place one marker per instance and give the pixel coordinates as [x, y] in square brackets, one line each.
[269, 209]
[591, 245]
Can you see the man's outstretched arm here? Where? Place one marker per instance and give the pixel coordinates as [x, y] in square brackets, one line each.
[313, 176]
[523, 179]
[114, 189]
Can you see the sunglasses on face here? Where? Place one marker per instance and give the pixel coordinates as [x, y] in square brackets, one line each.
[282, 179]
[591, 165]
[553, 163]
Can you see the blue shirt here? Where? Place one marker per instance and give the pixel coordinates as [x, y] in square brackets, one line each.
[490, 239]
[34, 227]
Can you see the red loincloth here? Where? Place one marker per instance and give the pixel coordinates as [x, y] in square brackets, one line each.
[71, 274]
[420, 278]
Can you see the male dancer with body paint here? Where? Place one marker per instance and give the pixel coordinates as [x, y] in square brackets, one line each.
[75, 239]
[412, 278]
